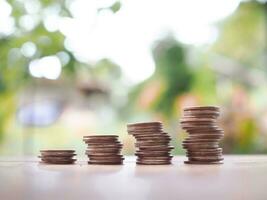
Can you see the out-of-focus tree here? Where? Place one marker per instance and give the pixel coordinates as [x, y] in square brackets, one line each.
[31, 40]
[242, 40]
[242, 36]
[172, 78]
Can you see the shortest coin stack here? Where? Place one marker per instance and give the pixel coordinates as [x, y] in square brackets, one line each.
[202, 145]
[103, 149]
[62, 157]
[152, 143]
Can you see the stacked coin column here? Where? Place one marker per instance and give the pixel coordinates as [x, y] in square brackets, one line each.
[62, 157]
[103, 149]
[202, 144]
[152, 143]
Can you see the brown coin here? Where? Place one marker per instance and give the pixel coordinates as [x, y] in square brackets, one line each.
[151, 143]
[204, 154]
[202, 108]
[52, 159]
[201, 113]
[144, 130]
[154, 157]
[156, 147]
[117, 152]
[154, 151]
[196, 120]
[151, 135]
[209, 129]
[192, 139]
[100, 137]
[196, 147]
[153, 162]
[56, 157]
[105, 163]
[195, 127]
[155, 136]
[190, 126]
[144, 124]
[58, 154]
[112, 145]
[57, 163]
[212, 143]
[89, 153]
[205, 158]
[206, 136]
[203, 163]
[98, 144]
[206, 150]
[102, 150]
[151, 154]
[212, 115]
[57, 151]
[106, 157]
[158, 140]
[100, 141]
[200, 123]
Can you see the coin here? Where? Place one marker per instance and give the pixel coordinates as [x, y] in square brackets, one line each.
[152, 143]
[57, 156]
[202, 108]
[103, 149]
[202, 143]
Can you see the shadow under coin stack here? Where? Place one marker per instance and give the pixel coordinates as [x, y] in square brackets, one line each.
[152, 143]
[202, 145]
[103, 149]
[62, 157]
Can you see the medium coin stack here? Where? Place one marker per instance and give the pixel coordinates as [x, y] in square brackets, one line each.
[152, 143]
[103, 149]
[202, 144]
[57, 156]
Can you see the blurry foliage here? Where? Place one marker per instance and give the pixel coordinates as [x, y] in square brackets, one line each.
[243, 35]
[172, 77]
[115, 7]
[204, 84]
[243, 39]
[14, 72]
[106, 70]
[173, 71]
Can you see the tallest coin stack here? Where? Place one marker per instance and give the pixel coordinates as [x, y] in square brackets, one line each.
[202, 145]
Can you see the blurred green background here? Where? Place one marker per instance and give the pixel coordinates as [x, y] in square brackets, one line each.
[70, 68]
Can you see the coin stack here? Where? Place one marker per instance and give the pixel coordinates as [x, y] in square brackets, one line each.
[57, 156]
[202, 144]
[103, 149]
[152, 143]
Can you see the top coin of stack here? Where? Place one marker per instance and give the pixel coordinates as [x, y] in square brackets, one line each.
[57, 156]
[103, 149]
[202, 145]
[152, 143]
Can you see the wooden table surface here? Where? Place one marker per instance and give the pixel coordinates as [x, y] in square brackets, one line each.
[240, 177]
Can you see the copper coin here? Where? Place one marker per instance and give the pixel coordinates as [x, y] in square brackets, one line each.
[203, 163]
[144, 124]
[57, 151]
[201, 108]
[105, 163]
[153, 162]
